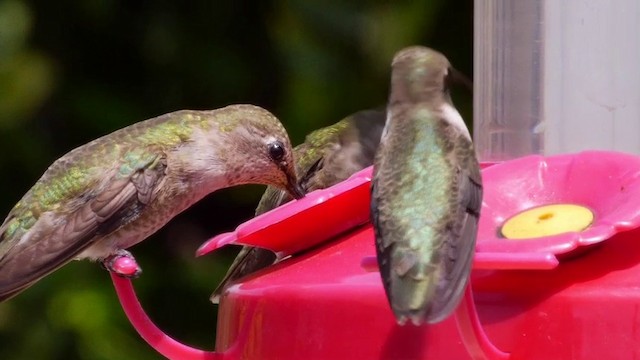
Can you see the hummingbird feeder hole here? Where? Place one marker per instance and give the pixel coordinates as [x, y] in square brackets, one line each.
[545, 216]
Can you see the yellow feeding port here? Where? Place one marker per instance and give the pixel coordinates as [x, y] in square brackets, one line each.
[547, 220]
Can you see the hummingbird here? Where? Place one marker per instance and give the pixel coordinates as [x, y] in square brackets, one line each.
[327, 157]
[426, 191]
[115, 191]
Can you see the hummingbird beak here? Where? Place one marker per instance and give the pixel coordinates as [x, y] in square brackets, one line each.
[295, 189]
[292, 187]
[459, 78]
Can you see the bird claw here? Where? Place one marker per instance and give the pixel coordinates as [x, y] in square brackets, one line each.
[122, 263]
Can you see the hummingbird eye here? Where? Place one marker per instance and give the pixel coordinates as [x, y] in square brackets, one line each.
[276, 151]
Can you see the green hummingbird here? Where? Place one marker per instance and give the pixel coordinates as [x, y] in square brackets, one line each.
[426, 191]
[327, 157]
[115, 191]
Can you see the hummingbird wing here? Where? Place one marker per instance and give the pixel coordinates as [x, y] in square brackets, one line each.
[424, 208]
[33, 243]
[461, 238]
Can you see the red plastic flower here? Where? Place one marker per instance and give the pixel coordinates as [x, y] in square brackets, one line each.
[605, 182]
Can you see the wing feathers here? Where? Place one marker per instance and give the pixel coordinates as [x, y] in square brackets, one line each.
[57, 237]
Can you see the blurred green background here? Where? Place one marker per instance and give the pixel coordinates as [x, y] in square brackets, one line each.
[71, 71]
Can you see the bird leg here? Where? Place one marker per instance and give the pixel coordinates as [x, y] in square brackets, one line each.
[122, 263]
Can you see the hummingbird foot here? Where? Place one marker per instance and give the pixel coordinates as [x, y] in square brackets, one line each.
[122, 263]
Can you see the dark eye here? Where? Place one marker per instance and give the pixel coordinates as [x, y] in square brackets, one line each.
[276, 150]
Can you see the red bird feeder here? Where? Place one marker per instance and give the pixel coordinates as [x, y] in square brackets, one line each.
[532, 297]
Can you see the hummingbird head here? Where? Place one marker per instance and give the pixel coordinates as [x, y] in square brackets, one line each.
[420, 74]
[260, 150]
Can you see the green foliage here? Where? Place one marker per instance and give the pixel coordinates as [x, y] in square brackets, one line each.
[71, 71]
[25, 74]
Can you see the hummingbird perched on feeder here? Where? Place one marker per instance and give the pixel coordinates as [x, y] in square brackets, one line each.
[426, 191]
[115, 191]
[327, 157]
